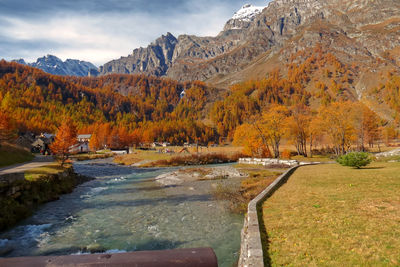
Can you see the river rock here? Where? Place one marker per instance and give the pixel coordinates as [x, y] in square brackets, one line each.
[392, 153]
[186, 175]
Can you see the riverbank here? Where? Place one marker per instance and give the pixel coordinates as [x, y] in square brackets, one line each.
[21, 193]
[137, 160]
[252, 179]
[91, 156]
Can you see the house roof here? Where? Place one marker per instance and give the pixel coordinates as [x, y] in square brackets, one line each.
[47, 135]
[41, 141]
[84, 136]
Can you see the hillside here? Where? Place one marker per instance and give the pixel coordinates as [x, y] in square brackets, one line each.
[39, 102]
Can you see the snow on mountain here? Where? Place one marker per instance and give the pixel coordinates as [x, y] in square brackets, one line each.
[53, 65]
[248, 12]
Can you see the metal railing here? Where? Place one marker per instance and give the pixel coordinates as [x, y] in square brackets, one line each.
[197, 257]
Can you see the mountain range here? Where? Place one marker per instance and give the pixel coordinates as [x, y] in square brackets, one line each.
[257, 40]
[53, 65]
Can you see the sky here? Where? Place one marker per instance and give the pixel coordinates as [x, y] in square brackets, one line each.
[101, 30]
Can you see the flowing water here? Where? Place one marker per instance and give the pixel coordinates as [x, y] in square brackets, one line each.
[124, 209]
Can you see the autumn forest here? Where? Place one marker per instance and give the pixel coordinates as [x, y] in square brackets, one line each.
[288, 105]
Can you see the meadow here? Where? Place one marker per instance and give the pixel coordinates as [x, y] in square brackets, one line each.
[329, 215]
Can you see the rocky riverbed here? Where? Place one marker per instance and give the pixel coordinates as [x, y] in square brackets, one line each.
[198, 174]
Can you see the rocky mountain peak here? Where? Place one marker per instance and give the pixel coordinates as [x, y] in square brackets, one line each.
[353, 30]
[54, 65]
[243, 17]
[248, 12]
[165, 39]
[20, 61]
[49, 61]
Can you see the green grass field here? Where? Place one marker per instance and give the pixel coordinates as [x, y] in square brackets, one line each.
[10, 154]
[52, 168]
[329, 215]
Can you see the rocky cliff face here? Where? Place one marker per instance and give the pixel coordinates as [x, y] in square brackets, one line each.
[257, 38]
[54, 65]
[154, 60]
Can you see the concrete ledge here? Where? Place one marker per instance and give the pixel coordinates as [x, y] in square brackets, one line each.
[197, 257]
[251, 252]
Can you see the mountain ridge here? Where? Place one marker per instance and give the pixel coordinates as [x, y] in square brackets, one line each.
[54, 65]
[361, 31]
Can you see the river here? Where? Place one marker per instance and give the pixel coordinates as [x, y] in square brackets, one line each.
[125, 210]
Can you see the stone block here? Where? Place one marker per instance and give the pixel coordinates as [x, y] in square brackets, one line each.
[255, 253]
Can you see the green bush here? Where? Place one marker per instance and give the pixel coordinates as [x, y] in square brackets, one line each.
[355, 159]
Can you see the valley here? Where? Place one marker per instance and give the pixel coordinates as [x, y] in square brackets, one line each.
[162, 130]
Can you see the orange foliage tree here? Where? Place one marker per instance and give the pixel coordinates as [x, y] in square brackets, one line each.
[337, 122]
[94, 143]
[298, 125]
[274, 126]
[367, 125]
[7, 129]
[65, 138]
[315, 133]
[251, 139]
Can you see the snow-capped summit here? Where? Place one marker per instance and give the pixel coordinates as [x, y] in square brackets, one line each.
[248, 12]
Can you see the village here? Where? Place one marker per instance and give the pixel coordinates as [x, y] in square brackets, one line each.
[40, 144]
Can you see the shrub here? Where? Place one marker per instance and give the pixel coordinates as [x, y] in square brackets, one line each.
[355, 159]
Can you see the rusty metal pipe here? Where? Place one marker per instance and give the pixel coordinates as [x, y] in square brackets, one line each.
[196, 257]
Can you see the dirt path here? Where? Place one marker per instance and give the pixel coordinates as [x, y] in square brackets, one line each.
[38, 161]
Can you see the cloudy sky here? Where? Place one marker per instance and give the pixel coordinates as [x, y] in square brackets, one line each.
[101, 30]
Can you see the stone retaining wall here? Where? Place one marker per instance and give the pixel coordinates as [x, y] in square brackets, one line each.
[266, 161]
[251, 251]
[18, 197]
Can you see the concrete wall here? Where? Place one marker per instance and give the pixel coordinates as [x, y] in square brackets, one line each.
[251, 251]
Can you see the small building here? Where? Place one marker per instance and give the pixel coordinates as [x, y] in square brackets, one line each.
[82, 138]
[156, 144]
[26, 140]
[165, 144]
[48, 136]
[82, 145]
[80, 148]
[42, 143]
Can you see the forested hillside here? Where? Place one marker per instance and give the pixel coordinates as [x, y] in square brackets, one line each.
[148, 107]
[122, 110]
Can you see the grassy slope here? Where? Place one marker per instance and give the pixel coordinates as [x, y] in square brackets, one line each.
[52, 168]
[329, 215]
[10, 155]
